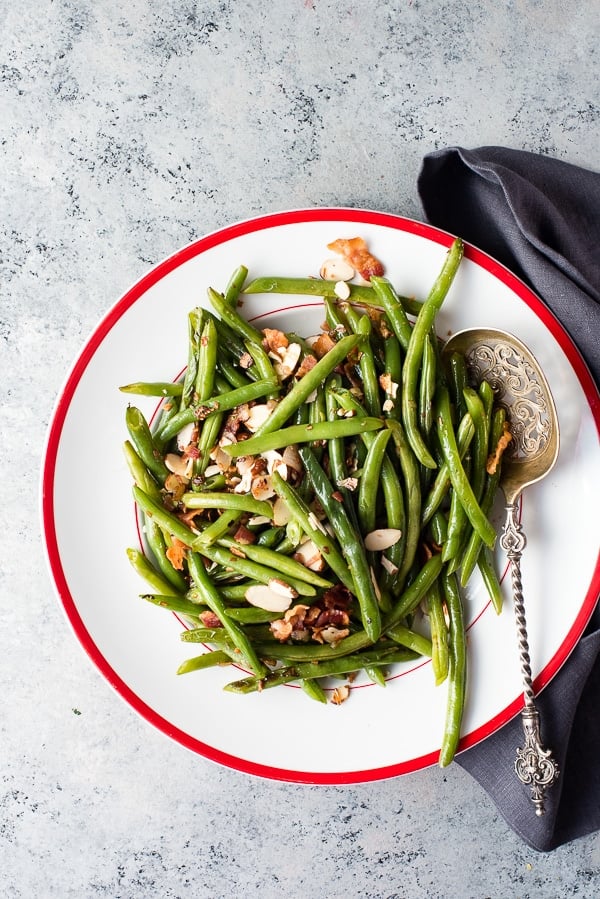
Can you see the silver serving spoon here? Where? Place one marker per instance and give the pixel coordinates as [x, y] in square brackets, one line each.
[522, 389]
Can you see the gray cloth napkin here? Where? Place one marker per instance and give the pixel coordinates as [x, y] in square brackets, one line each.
[540, 217]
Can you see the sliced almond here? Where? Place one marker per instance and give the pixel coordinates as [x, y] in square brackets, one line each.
[340, 695]
[382, 538]
[245, 484]
[389, 566]
[184, 436]
[261, 596]
[244, 464]
[308, 555]
[281, 513]
[291, 457]
[258, 520]
[275, 463]
[211, 470]
[282, 588]
[261, 487]
[341, 290]
[289, 361]
[178, 465]
[257, 416]
[336, 270]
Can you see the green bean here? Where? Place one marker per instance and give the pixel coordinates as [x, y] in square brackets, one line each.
[241, 502]
[490, 579]
[222, 402]
[315, 287]
[144, 443]
[369, 482]
[305, 386]
[471, 552]
[235, 285]
[178, 604]
[458, 477]
[411, 639]
[335, 318]
[414, 352]
[313, 689]
[283, 564]
[220, 526]
[153, 388]
[349, 539]
[196, 320]
[412, 487]
[325, 430]
[309, 524]
[169, 523]
[413, 594]
[361, 325]
[439, 489]
[479, 447]
[457, 523]
[209, 435]
[235, 376]
[207, 362]
[394, 308]
[146, 570]
[457, 369]
[375, 674]
[251, 615]
[229, 315]
[457, 672]
[310, 670]
[439, 634]
[427, 387]
[140, 473]
[158, 546]
[264, 366]
[254, 570]
[270, 536]
[207, 660]
[393, 369]
[212, 599]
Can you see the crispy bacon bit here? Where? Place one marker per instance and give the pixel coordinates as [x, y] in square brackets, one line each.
[307, 364]
[244, 536]
[340, 695]
[274, 341]
[494, 459]
[209, 619]
[176, 553]
[191, 451]
[337, 496]
[356, 252]
[322, 345]
[292, 623]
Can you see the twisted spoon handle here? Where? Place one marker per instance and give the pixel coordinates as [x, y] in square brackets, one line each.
[534, 765]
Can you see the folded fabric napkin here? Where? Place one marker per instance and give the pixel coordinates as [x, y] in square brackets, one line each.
[540, 217]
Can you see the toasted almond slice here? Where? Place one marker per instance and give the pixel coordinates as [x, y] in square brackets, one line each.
[308, 555]
[261, 596]
[262, 488]
[185, 435]
[291, 457]
[245, 483]
[389, 566]
[340, 694]
[341, 290]
[275, 463]
[336, 270]
[257, 520]
[281, 513]
[258, 415]
[177, 464]
[289, 361]
[211, 470]
[282, 588]
[382, 538]
[244, 464]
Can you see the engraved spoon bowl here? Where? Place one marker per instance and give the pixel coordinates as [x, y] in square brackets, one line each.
[520, 386]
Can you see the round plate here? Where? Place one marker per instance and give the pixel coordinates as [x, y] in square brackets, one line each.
[89, 518]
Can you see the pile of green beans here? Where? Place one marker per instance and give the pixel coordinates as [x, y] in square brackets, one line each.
[390, 445]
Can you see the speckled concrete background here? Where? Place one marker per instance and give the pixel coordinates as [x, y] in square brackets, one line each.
[128, 129]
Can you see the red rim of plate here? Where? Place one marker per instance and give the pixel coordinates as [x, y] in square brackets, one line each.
[262, 223]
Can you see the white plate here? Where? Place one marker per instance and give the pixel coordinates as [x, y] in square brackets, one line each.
[89, 519]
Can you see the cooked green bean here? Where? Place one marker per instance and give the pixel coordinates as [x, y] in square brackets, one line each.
[140, 473]
[349, 539]
[439, 489]
[158, 546]
[222, 402]
[242, 502]
[254, 570]
[235, 285]
[325, 430]
[143, 442]
[458, 477]
[150, 574]
[153, 388]
[414, 352]
[457, 672]
[394, 308]
[369, 482]
[412, 491]
[230, 316]
[212, 599]
[315, 287]
[283, 564]
[427, 387]
[439, 633]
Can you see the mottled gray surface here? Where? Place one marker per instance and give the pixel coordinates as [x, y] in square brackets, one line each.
[128, 129]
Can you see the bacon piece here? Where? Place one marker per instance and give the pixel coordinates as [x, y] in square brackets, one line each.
[494, 459]
[356, 252]
[176, 553]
